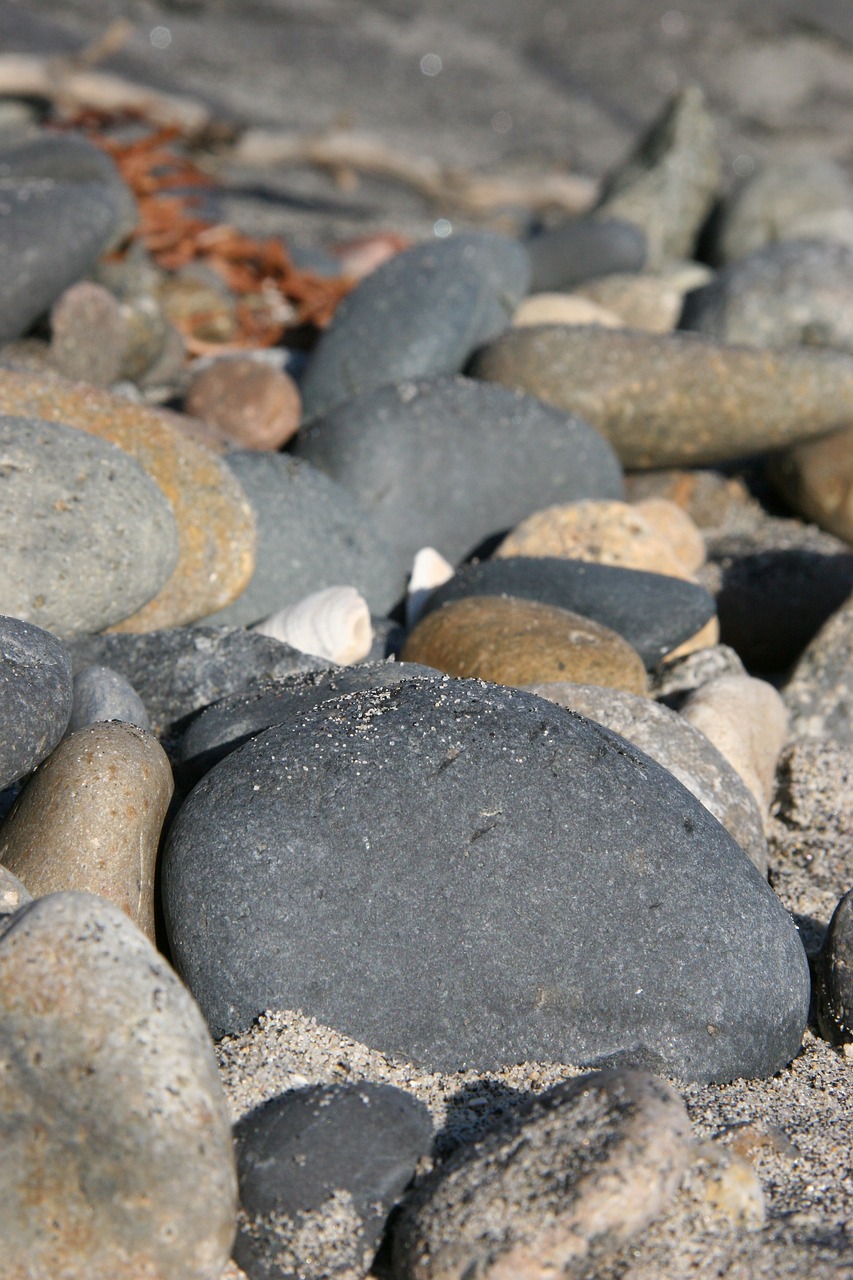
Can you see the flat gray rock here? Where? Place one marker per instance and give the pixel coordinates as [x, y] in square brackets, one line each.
[421, 314]
[436, 462]
[542, 875]
[90, 537]
[311, 534]
[35, 696]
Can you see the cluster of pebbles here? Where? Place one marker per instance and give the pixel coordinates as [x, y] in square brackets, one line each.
[469, 725]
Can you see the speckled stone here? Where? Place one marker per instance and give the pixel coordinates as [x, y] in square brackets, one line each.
[796, 293]
[710, 498]
[602, 532]
[647, 300]
[679, 747]
[420, 314]
[585, 1165]
[216, 529]
[817, 479]
[255, 405]
[583, 248]
[514, 641]
[819, 692]
[835, 975]
[668, 400]
[669, 183]
[568, 876]
[675, 526]
[787, 198]
[324, 1166]
[177, 672]
[652, 611]
[35, 696]
[116, 1156]
[91, 818]
[673, 682]
[103, 694]
[435, 462]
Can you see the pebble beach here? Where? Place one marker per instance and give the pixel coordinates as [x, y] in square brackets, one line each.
[426, 663]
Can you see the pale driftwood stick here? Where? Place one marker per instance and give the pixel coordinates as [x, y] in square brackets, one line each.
[344, 149]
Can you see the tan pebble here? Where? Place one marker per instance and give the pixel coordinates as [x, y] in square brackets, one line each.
[564, 308]
[647, 302]
[333, 624]
[747, 721]
[705, 638]
[731, 1187]
[216, 526]
[198, 308]
[87, 334]
[255, 405]
[90, 819]
[597, 530]
[590, 1162]
[518, 642]
[817, 479]
[429, 571]
[675, 526]
[13, 894]
[708, 497]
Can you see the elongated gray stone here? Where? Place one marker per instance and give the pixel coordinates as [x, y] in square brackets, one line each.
[666, 400]
[463, 874]
[35, 696]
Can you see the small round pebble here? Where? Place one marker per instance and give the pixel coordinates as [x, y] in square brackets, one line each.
[253, 404]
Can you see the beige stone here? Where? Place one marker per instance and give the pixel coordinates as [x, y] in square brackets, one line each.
[564, 308]
[676, 528]
[90, 819]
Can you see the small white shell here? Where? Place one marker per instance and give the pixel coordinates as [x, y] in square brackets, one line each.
[333, 624]
[429, 570]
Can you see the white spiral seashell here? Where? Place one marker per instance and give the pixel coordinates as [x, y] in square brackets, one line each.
[429, 570]
[333, 624]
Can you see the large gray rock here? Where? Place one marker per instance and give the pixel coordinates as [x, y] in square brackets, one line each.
[463, 874]
[419, 315]
[115, 1157]
[449, 462]
[35, 696]
[89, 536]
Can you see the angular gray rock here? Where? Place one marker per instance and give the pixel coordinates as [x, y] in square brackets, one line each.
[545, 877]
[35, 696]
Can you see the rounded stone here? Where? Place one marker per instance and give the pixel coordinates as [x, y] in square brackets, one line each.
[680, 748]
[420, 314]
[253, 404]
[13, 893]
[116, 1156]
[710, 498]
[35, 696]
[792, 197]
[103, 694]
[676, 527]
[819, 691]
[86, 340]
[650, 301]
[91, 819]
[816, 477]
[514, 641]
[90, 536]
[602, 532]
[835, 969]
[216, 531]
[652, 611]
[589, 1163]
[541, 874]
[676, 399]
[333, 1159]
[436, 462]
[583, 248]
[312, 534]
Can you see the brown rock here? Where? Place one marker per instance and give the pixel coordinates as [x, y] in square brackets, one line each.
[216, 526]
[91, 818]
[87, 334]
[676, 528]
[518, 642]
[597, 530]
[255, 405]
[816, 477]
[675, 399]
[586, 1165]
[710, 498]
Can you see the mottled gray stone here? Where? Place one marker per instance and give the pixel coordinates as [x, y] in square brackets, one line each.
[680, 748]
[654, 613]
[819, 692]
[544, 876]
[438, 462]
[89, 536]
[116, 1153]
[674, 681]
[583, 249]
[796, 293]
[788, 198]
[103, 694]
[35, 696]
[420, 314]
[311, 534]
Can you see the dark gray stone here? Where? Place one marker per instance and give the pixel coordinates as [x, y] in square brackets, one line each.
[582, 249]
[179, 671]
[465, 875]
[221, 728]
[819, 692]
[35, 696]
[798, 292]
[103, 694]
[311, 535]
[421, 314]
[835, 975]
[652, 612]
[89, 536]
[449, 462]
[338, 1154]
